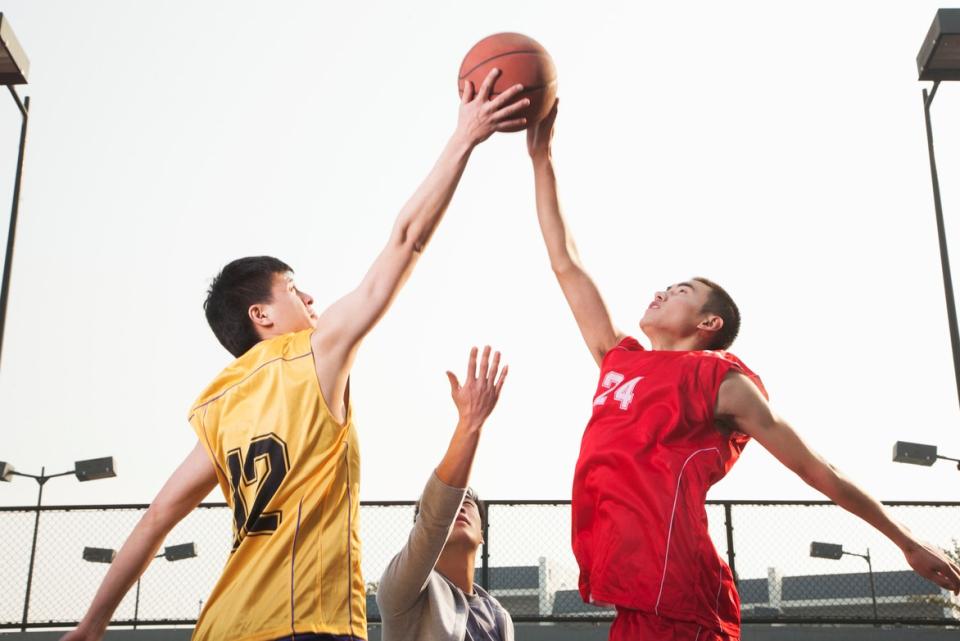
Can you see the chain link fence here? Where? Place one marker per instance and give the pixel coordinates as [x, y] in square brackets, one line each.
[526, 562]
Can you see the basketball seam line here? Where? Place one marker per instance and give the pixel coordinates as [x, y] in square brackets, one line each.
[500, 55]
[525, 89]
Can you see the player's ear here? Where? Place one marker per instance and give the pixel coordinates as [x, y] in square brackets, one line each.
[260, 315]
[711, 323]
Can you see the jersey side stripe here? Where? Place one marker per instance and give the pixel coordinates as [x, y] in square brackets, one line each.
[673, 513]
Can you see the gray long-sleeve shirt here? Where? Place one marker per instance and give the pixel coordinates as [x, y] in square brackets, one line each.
[416, 602]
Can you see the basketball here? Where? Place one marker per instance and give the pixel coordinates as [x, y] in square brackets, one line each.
[520, 59]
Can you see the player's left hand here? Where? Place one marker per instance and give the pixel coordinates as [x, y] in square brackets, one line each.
[478, 394]
[933, 564]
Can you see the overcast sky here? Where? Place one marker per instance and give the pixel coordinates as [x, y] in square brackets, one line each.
[778, 151]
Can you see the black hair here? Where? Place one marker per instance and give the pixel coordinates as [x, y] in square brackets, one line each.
[721, 303]
[240, 284]
[471, 495]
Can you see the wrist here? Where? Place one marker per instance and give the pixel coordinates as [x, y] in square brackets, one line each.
[905, 540]
[90, 627]
[469, 425]
[541, 158]
[461, 142]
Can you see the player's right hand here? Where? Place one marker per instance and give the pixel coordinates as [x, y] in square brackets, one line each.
[540, 135]
[932, 564]
[480, 116]
[478, 395]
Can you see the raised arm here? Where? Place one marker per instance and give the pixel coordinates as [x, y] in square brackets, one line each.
[192, 481]
[342, 326]
[406, 574]
[581, 293]
[741, 406]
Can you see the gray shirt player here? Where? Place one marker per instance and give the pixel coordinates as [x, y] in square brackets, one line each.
[416, 602]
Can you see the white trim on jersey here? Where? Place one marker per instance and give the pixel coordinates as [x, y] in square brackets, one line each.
[673, 513]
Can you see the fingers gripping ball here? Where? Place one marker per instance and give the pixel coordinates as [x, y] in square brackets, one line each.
[522, 60]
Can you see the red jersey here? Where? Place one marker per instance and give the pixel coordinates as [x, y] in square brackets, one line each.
[648, 456]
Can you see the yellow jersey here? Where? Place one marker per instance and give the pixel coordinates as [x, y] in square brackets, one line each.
[291, 476]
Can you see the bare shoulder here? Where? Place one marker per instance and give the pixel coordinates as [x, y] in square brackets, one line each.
[738, 395]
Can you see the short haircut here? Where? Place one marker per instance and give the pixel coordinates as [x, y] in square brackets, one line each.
[240, 284]
[719, 302]
[471, 495]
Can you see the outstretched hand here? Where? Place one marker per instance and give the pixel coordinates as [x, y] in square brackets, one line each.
[478, 394]
[932, 564]
[480, 116]
[540, 135]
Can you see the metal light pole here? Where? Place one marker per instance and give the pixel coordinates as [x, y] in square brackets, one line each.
[938, 60]
[170, 553]
[835, 551]
[13, 71]
[88, 470]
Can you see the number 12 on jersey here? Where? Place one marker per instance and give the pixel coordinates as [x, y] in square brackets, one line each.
[622, 391]
[252, 520]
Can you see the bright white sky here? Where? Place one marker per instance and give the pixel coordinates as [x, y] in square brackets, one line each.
[779, 152]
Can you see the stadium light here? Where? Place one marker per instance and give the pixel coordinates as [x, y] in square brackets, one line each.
[87, 470]
[939, 57]
[99, 555]
[94, 469]
[939, 60]
[835, 552]
[179, 552]
[918, 454]
[14, 67]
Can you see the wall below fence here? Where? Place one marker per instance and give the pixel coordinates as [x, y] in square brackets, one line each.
[587, 632]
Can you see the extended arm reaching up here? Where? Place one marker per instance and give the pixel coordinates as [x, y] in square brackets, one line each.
[581, 292]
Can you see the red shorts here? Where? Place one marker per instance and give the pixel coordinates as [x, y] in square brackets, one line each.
[634, 625]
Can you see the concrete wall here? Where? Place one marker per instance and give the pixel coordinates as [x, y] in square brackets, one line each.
[587, 632]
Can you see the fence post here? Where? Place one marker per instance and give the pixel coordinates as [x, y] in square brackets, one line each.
[728, 518]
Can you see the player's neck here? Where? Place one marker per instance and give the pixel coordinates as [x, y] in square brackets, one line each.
[675, 343]
[457, 564]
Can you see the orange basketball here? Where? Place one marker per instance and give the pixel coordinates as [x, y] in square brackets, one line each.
[520, 59]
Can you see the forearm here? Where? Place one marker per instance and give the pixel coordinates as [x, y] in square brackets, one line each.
[131, 561]
[422, 213]
[454, 469]
[851, 497]
[345, 322]
[404, 578]
[560, 246]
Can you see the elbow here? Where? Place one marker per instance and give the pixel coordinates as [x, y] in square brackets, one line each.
[564, 268]
[409, 237]
[160, 517]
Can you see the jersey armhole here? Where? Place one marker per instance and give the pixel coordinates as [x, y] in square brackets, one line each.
[325, 405]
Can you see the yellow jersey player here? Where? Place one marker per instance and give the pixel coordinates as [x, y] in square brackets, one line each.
[275, 430]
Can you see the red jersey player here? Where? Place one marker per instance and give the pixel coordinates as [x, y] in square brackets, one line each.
[667, 424]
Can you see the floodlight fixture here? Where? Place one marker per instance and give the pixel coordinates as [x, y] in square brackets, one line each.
[826, 550]
[94, 469]
[99, 555]
[14, 65]
[918, 454]
[6, 472]
[939, 57]
[180, 552]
